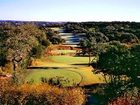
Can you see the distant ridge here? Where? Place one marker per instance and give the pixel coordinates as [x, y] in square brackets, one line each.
[69, 21]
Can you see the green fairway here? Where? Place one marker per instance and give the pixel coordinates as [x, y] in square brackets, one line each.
[70, 59]
[81, 76]
[71, 77]
[72, 69]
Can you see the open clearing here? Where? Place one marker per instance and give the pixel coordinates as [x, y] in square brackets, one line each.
[81, 76]
[71, 77]
[73, 70]
[61, 61]
[73, 60]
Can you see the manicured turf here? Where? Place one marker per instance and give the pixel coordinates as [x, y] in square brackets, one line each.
[71, 76]
[89, 77]
[70, 59]
[61, 61]
[70, 68]
[81, 76]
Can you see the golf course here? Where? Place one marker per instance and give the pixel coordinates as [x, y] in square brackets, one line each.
[71, 70]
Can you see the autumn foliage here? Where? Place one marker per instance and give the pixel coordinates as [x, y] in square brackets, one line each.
[127, 100]
[42, 94]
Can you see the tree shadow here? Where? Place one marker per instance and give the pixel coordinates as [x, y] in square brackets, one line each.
[80, 64]
[50, 67]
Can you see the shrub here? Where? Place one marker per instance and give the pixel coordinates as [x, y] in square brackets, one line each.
[45, 43]
[127, 100]
[8, 68]
[56, 81]
[42, 94]
[37, 51]
[3, 60]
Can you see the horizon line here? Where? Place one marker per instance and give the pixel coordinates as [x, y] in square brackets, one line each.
[66, 21]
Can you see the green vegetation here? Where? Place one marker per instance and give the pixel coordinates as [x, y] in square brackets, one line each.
[17, 43]
[69, 67]
[70, 59]
[120, 65]
[73, 76]
[112, 48]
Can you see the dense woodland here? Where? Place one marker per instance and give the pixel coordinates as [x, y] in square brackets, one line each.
[125, 32]
[115, 45]
[20, 42]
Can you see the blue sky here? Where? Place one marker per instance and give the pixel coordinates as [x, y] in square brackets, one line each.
[70, 10]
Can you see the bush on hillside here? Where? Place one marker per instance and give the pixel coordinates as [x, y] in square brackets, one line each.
[42, 94]
[59, 81]
[37, 51]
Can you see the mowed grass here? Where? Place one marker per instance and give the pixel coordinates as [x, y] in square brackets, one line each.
[80, 76]
[69, 78]
[62, 61]
[88, 77]
[70, 68]
[70, 59]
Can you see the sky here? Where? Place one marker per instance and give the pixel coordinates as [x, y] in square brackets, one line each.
[70, 10]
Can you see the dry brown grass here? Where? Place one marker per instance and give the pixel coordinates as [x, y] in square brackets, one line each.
[42, 94]
[51, 50]
[47, 63]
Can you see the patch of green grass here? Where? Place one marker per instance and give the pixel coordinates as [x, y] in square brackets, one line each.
[72, 77]
[88, 77]
[70, 59]
[71, 68]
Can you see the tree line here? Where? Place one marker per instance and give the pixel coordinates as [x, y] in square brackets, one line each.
[117, 48]
[20, 42]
